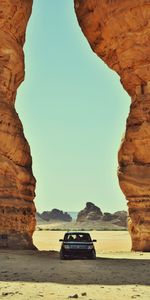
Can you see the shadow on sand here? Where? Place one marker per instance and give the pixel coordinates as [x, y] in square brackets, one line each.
[45, 266]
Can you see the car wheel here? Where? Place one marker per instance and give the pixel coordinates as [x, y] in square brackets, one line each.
[93, 256]
[62, 257]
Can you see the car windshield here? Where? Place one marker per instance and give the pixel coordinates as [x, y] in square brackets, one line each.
[77, 237]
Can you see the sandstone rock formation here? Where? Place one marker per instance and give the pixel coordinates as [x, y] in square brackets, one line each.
[55, 214]
[89, 213]
[39, 220]
[119, 218]
[93, 213]
[108, 217]
[119, 33]
[17, 184]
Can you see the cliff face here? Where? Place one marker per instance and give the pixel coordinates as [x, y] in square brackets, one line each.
[119, 33]
[17, 184]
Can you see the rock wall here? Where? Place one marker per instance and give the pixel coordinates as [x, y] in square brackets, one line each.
[119, 33]
[17, 184]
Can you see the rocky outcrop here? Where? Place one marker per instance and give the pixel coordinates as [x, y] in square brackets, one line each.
[119, 33]
[108, 217]
[55, 214]
[89, 213]
[93, 213]
[119, 218]
[17, 184]
[39, 220]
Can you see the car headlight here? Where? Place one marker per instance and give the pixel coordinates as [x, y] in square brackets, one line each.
[66, 247]
[90, 247]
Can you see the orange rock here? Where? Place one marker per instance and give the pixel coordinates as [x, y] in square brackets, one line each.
[17, 184]
[119, 33]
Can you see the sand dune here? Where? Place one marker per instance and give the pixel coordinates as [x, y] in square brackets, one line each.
[116, 274]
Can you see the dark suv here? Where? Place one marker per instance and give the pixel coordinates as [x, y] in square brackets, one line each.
[77, 245]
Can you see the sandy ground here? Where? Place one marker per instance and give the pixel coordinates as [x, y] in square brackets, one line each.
[73, 225]
[116, 274]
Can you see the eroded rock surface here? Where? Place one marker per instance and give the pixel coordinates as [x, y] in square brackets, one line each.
[17, 184]
[89, 213]
[55, 214]
[119, 33]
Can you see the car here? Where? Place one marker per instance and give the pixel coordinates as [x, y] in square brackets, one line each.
[77, 245]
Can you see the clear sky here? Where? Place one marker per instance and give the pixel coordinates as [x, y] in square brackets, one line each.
[74, 110]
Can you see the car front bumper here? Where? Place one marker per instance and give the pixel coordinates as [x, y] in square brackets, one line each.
[78, 252]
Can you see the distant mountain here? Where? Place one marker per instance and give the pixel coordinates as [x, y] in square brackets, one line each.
[90, 212]
[90, 217]
[54, 214]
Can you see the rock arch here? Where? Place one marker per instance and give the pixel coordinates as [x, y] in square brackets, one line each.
[118, 31]
[124, 46]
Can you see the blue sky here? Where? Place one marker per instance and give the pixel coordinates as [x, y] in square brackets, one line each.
[73, 110]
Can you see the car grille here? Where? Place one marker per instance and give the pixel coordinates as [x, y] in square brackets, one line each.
[78, 247]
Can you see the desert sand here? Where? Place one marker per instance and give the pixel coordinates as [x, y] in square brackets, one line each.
[117, 273]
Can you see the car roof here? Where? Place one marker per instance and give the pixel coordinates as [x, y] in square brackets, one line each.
[77, 232]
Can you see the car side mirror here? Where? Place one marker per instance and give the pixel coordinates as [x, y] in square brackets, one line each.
[94, 241]
[61, 240]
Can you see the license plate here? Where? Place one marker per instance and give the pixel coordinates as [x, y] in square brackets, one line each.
[78, 247]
